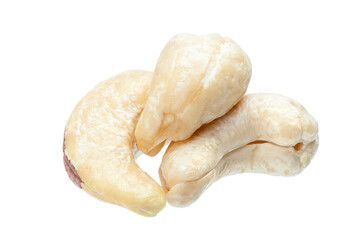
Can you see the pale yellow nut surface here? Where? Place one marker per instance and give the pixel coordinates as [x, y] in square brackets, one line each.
[99, 143]
[197, 79]
[263, 133]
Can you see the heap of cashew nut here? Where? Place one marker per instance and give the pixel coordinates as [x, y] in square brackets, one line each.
[194, 98]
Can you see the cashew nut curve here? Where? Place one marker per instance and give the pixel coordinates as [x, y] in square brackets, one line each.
[197, 79]
[263, 133]
[99, 144]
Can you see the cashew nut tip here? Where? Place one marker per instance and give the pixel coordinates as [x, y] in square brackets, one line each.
[196, 80]
[99, 144]
[263, 133]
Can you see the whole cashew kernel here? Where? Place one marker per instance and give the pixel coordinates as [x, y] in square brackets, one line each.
[263, 133]
[99, 144]
[197, 79]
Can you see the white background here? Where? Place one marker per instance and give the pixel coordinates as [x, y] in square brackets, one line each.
[52, 53]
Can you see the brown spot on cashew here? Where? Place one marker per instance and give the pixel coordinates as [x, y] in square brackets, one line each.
[70, 169]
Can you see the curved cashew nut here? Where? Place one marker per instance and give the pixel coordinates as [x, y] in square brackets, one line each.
[99, 144]
[265, 133]
[197, 79]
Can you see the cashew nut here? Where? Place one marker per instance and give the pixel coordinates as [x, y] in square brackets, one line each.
[99, 144]
[197, 79]
[264, 133]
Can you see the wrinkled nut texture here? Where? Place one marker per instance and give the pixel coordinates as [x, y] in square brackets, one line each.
[99, 144]
[197, 79]
[263, 133]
